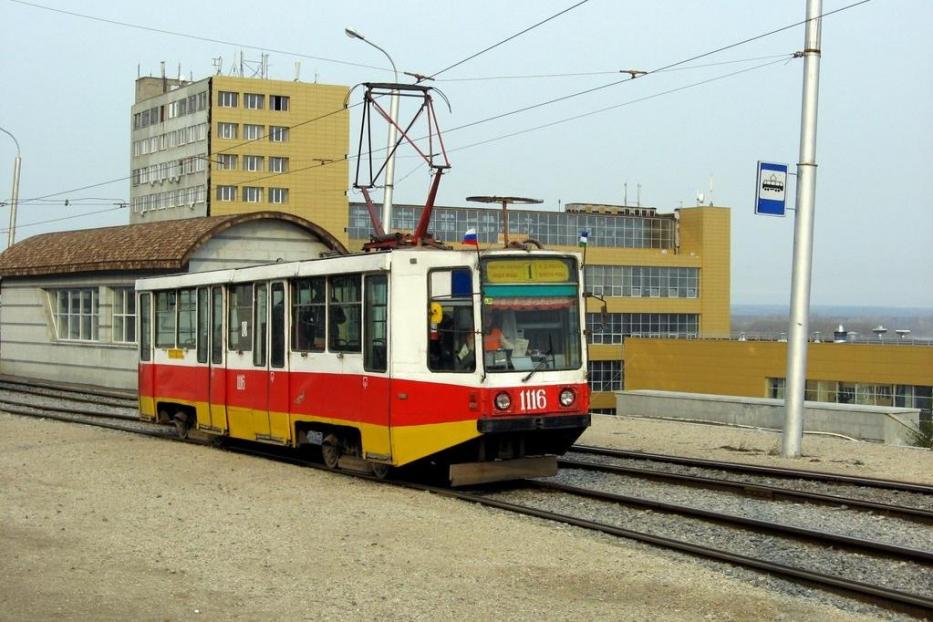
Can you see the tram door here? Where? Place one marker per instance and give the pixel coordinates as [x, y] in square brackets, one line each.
[258, 393]
[218, 369]
[376, 381]
[278, 385]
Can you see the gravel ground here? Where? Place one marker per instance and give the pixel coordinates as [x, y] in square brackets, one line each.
[751, 446]
[893, 497]
[102, 525]
[819, 517]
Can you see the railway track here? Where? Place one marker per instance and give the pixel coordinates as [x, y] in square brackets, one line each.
[117, 411]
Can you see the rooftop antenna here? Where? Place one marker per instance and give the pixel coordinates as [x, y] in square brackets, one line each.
[218, 64]
[625, 196]
[699, 198]
[638, 197]
[297, 70]
[711, 189]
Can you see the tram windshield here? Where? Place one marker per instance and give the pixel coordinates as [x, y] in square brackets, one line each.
[530, 314]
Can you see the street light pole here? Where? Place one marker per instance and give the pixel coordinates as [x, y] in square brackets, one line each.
[15, 195]
[393, 137]
[796, 376]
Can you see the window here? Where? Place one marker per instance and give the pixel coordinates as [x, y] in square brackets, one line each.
[277, 327]
[252, 163]
[278, 134]
[204, 319]
[76, 314]
[261, 300]
[252, 132]
[278, 195]
[343, 311]
[253, 101]
[309, 303]
[202, 100]
[124, 315]
[278, 165]
[451, 337]
[227, 99]
[217, 325]
[165, 320]
[240, 319]
[278, 102]
[226, 130]
[617, 326]
[252, 194]
[226, 193]
[145, 327]
[187, 318]
[606, 375]
[226, 162]
[376, 313]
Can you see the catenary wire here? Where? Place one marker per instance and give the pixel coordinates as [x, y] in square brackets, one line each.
[519, 110]
[507, 39]
[45, 222]
[191, 36]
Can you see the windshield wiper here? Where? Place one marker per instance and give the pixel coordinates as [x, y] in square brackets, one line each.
[550, 351]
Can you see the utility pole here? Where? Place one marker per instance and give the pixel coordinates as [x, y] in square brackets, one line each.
[14, 199]
[796, 377]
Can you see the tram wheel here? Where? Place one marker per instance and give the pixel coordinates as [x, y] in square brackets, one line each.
[180, 419]
[380, 470]
[330, 451]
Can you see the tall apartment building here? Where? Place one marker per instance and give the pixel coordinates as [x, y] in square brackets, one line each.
[226, 145]
[659, 274]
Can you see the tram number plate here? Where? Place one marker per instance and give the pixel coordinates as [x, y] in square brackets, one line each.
[533, 399]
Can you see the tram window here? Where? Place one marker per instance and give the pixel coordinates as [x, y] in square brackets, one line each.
[187, 316]
[240, 320]
[451, 334]
[204, 312]
[277, 326]
[165, 320]
[217, 326]
[261, 302]
[309, 310]
[376, 314]
[344, 313]
[145, 335]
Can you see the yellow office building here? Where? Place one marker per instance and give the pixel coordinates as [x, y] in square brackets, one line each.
[225, 145]
[659, 274]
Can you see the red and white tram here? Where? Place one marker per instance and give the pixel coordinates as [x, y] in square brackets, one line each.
[472, 360]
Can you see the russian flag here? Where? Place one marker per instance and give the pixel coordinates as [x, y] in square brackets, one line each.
[469, 238]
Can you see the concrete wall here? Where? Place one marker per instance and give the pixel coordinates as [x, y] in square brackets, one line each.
[254, 243]
[870, 423]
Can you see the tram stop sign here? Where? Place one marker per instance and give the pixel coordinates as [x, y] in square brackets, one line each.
[772, 182]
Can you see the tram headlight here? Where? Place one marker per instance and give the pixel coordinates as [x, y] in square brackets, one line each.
[567, 397]
[503, 401]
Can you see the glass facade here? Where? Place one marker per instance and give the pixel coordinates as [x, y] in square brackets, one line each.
[642, 281]
[617, 326]
[448, 224]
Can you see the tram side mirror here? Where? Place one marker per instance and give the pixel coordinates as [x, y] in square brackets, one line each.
[603, 313]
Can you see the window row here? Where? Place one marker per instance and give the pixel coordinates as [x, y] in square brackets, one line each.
[550, 228]
[179, 197]
[252, 101]
[171, 110]
[76, 313]
[614, 327]
[642, 281]
[862, 393]
[252, 163]
[341, 313]
[169, 140]
[171, 171]
[606, 375]
[252, 194]
[251, 131]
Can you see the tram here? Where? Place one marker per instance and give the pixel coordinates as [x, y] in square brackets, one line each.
[472, 361]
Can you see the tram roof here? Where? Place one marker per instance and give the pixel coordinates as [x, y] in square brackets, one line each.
[165, 245]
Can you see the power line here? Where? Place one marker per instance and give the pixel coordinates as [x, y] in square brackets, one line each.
[507, 39]
[605, 73]
[45, 222]
[191, 36]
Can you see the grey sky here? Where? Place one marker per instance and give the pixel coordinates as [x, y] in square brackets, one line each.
[69, 88]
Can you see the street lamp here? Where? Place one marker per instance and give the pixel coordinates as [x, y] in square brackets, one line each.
[393, 136]
[15, 196]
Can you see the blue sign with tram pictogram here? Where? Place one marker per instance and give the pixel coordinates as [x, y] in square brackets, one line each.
[770, 194]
